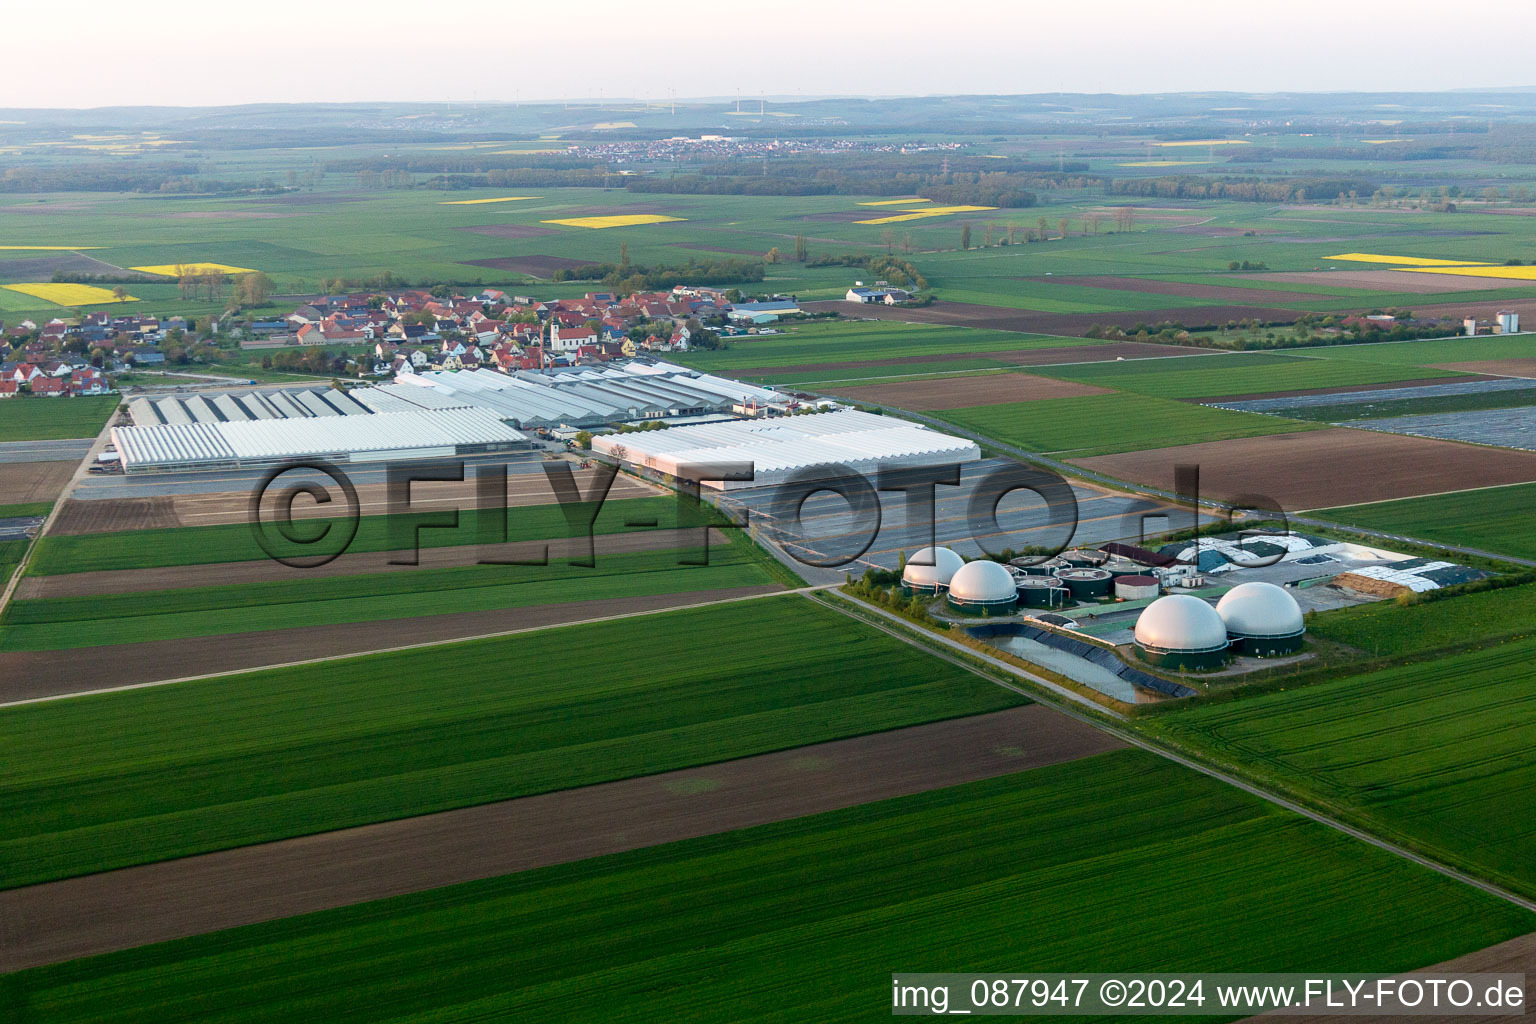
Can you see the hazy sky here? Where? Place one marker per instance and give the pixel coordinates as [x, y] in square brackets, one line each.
[192, 53]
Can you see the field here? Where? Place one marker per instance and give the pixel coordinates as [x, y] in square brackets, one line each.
[1437, 753]
[1497, 519]
[88, 621]
[960, 392]
[1099, 424]
[293, 751]
[70, 294]
[1385, 628]
[1321, 468]
[974, 877]
[1240, 373]
[49, 419]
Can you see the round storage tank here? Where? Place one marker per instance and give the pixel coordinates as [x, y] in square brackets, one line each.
[1181, 632]
[1086, 584]
[1136, 588]
[983, 588]
[1084, 558]
[1262, 620]
[1119, 566]
[1041, 592]
[929, 570]
[1038, 568]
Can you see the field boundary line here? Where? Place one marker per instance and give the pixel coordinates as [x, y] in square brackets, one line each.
[405, 647]
[1137, 739]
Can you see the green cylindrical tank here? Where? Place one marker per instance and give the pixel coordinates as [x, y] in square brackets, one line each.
[1041, 592]
[1086, 584]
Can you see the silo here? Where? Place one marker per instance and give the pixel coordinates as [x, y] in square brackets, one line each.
[929, 570]
[1086, 584]
[983, 588]
[1045, 568]
[1136, 588]
[1181, 632]
[1262, 620]
[1119, 566]
[1041, 592]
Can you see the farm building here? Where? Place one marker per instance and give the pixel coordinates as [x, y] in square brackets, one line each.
[373, 437]
[983, 588]
[1262, 620]
[886, 295]
[929, 571]
[779, 448]
[761, 312]
[1182, 633]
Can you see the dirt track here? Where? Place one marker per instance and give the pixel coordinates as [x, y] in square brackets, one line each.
[1324, 468]
[1517, 956]
[1399, 281]
[29, 674]
[1003, 318]
[135, 906]
[958, 392]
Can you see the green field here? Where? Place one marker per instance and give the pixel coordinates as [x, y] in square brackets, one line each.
[71, 622]
[1435, 351]
[30, 508]
[815, 344]
[1087, 866]
[234, 542]
[1436, 754]
[1390, 629]
[286, 752]
[1102, 424]
[1239, 373]
[51, 419]
[1494, 519]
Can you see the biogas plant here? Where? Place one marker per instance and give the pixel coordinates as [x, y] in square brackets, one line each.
[1138, 625]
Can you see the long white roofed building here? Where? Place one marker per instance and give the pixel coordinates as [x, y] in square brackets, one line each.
[780, 447]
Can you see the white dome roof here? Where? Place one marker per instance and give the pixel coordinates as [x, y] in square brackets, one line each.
[942, 563]
[1260, 610]
[982, 581]
[1179, 622]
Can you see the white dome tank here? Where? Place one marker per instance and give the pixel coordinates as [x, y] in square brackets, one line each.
[1260, 610]
[1180, 623]
[982, 582]
[941, 565]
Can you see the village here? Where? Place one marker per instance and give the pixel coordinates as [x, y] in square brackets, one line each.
[405, 330]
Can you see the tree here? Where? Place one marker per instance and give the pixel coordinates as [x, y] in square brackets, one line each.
[119, 293]
[1061, 227]
[1040, 225]
[801, 254]
[623, 256]
[772, 255]
[583, 438]
[253, 289]
[965, 235]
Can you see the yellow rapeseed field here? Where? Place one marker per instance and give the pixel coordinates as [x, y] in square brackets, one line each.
[1402, 261]
[890, 202]
[932, 211]
[1509, 273]
[47, 248]
[477, 202]
[177, 269]
[621, 221]
[69, 294]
